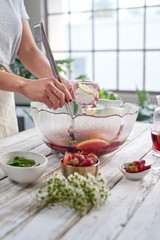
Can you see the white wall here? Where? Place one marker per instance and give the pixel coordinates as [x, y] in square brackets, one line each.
[34, 10]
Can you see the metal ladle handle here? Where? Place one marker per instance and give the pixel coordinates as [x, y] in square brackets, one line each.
[40, 36]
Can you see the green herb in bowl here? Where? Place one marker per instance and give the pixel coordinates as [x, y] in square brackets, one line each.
[21, 162]
[24, 167]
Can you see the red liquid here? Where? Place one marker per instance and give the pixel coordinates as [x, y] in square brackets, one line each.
[98, 151]
[156, 140]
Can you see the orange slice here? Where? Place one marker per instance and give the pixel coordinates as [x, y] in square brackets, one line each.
[85, 88]
[96, 146]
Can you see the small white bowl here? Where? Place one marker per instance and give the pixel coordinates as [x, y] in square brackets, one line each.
[133, 176]
[24, 175]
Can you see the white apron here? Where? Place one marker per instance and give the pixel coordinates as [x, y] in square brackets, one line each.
[8, 119]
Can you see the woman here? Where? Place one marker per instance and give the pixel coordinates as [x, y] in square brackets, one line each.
[16, 39]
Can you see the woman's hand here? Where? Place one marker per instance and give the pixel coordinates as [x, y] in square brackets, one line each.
[46, 90]
[69, 85]
[96, 99]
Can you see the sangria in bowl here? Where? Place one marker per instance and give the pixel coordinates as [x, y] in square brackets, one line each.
[100, 131]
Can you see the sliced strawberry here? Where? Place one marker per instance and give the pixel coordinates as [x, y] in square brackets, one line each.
[73, 162]
[136, 163]
[131, 169]
[67, 157]
[146, 167]
[139, 165]
[143, 162]
[128, 170]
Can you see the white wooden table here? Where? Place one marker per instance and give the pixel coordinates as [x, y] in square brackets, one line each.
[131, 212]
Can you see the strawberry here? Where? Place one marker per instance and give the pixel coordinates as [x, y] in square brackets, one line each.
[79, 156]
[73, 162]
[86, 162]
[93, 157]
[137, 166]
[143, 162]
[131, 169]
[146, 167]
[128, 170]
[66, 158]
[79, 160]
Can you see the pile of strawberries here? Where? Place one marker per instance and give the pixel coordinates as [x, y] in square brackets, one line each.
[137, 166]
[79, 160]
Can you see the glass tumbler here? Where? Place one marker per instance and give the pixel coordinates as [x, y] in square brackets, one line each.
[85, 92]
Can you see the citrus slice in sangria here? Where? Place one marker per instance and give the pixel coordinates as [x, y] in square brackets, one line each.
[96, 146]
[85, 88]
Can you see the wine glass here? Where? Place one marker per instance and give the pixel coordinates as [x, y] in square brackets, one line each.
[85, 92]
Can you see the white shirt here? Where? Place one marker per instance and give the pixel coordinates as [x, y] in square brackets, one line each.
[11, 14]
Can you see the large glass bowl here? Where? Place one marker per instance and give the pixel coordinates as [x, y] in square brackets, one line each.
[102, 130]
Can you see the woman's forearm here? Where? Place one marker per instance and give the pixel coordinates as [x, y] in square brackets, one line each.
[46, 90]
[39, 65]
[11, 82]
[34, 60]
[30, 55]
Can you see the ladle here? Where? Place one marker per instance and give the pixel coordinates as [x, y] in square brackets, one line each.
[40, 36]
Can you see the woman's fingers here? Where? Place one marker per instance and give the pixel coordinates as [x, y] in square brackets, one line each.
[47, 90]
[48, 102]
[94, 104]
[69, 85]
[51, 103]
[96, 97]
[59, 95]
[63, 89]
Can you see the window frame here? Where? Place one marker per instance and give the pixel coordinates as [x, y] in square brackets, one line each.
[144, 50]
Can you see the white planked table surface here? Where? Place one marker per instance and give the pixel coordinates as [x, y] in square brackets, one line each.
[131, 212]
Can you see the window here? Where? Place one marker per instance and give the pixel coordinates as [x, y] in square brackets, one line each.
[114, 42]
